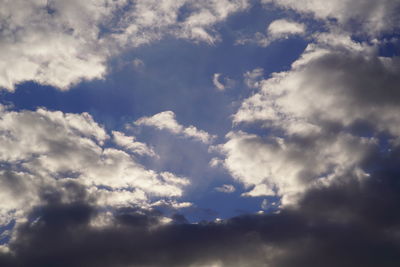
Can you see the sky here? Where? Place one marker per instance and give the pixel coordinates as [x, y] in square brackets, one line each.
[211, 133]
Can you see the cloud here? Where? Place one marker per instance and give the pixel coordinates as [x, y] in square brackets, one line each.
[166, 121]
[322, 117]
[276, 166]
[276, 30]
[223, 84]
[343, 224]
[371, 17]
[129, 143]
[60, 43]
[226, 188]
[282, 28]
[352, 85]
[44, 150]
[252, 78]
[217, 83]
[138, 64]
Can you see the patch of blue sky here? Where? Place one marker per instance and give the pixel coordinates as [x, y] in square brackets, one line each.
[4, 232]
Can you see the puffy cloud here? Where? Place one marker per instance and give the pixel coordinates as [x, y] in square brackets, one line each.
[276, 30]
[320, 119]
[344, 224]
[60, 43]
[282, 28]
[166, 121]
[52, 42]
[351, 84]
[45, 150]
[372, 16]
[275, 166]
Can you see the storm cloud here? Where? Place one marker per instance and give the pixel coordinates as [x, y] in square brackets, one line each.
[344, 224]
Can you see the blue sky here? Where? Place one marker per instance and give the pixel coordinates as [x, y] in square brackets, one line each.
[191, 113]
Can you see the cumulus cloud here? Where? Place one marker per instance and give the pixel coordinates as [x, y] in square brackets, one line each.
[166, 121]
[275, 166]
[276, 30]
[322, 137]
[340, 225]
[282, 28]
[60, 43]
[349, 80]
[45, 150]
[371, 16]
[322, 118]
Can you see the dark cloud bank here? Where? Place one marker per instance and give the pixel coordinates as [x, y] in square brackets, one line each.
[350, 223]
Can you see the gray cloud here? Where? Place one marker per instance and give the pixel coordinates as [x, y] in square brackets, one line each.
[344, 224]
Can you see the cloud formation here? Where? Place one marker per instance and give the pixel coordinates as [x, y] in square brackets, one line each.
[340, 225]
[221, 82]
[282, 28]
[42, 150]
[322, 138]
[61, 43]
[371, 17]
[130, 144]
[276, 30]
[166, 121]
[327, 112]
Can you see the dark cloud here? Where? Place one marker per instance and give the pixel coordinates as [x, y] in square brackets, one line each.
[350, 223]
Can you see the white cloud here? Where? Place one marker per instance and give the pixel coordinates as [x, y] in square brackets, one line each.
[62, 42]
[252, 78]
[130, 144]
[314, 114]
[349, 81]
[282, 28]
[372, 16]
[270, 167]
[276, 30]
[51, 42]
[217, 83]
[221, 83]
[44, 150]
[226, 188]
[166, 121]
